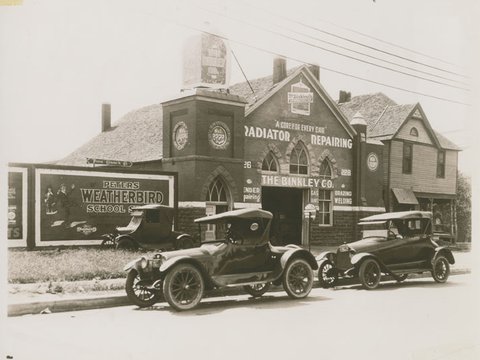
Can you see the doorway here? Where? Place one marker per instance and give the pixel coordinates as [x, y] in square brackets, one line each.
[286, 205]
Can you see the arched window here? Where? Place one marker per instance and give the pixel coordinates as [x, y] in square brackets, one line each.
[414, 132]
[270, 163]
[218, 200]
[325, 211]
[299, 159]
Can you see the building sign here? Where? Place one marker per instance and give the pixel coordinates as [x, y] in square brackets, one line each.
[372, 161]
[219, 135]
[343, 197]
[76, 205]
[300, 98]
[121, 163]
[251, 194]
[296, 181]
[180, 135]
[206, 62]
[17, 207]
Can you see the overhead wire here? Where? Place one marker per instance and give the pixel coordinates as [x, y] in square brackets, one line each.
[342, 54]
[344, 38]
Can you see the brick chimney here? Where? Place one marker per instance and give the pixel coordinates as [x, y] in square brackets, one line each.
[344, 96]
[315, 70]
[279, 69]
[106, 117]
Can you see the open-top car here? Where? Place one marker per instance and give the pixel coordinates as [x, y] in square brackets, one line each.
[396, 244]
[150, 227]
[243, 258]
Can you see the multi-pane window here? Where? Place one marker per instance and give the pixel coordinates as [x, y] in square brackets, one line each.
[299, 160]
[325, 212]
[217, 191]
[407, 158]
[414, 132]
[270, 163]
[217, 202]
[441, 164]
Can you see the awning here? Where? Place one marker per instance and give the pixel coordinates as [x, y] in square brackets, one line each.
[405, 196]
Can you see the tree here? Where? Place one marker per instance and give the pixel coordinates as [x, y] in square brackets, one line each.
[464, 208]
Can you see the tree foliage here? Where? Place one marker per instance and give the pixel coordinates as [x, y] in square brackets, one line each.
[464, 208]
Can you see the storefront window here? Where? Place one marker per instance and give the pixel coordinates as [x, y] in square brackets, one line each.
[299, 160]
[325, 211]
[270, 163]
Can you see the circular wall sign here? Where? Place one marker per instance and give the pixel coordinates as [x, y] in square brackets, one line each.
[219, 135]
[372, 161]
[180, 135]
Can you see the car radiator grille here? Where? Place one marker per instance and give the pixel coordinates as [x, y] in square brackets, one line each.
[343, 260]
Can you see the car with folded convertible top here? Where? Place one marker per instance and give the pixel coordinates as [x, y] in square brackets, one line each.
[243, 257]
[395, 244]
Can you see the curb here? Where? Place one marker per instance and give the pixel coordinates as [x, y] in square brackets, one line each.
[100, 302]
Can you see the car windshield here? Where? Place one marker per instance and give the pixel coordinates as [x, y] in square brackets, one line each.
[247, 230]
[412, 227]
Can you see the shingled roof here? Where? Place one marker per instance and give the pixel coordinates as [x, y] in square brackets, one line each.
[136, 137]
[384, 117]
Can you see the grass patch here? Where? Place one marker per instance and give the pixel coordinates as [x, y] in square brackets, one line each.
[67, 264]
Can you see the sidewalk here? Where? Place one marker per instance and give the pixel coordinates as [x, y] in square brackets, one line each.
[83, 295]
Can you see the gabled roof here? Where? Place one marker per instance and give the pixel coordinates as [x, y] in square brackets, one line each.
[385, 118]
[265, 90]
[137, 137]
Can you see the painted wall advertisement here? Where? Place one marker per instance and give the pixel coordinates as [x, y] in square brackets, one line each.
[83, 205]
[17, 208]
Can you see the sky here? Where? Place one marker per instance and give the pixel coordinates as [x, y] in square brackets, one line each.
[60, 60]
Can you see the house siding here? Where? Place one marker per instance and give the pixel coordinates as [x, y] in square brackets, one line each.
[424, 170]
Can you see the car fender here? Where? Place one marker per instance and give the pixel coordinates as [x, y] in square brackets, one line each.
[182, 236]
[357, 259]
[124, 237]
[329, 255]
[298, 252]
[443, 250]
[167, 265]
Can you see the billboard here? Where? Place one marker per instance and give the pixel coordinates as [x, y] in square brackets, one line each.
[17, 207]
[78, 206]
[206, 62]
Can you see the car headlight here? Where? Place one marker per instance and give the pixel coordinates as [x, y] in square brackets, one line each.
[143, 263]
[343, 248]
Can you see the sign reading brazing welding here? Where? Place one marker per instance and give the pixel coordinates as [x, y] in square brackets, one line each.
[81, 205]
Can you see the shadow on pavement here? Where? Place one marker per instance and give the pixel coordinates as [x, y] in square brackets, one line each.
[405, 284]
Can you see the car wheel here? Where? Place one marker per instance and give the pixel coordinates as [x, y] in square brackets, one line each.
[183, 287]
[137, 290]
[401, 277]
[327, 275]
[370, 274]
[125, 244]
[257, 290]
[440, 269]
[298, 278]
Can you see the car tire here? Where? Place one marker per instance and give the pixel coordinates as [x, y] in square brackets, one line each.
[324, 280]
[126, 244]
[257, 290]
[440, 269]
[298, 278]
[370, 274]
[138, 294]
[183, 287]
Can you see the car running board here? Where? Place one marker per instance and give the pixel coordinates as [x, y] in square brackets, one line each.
[245, 279]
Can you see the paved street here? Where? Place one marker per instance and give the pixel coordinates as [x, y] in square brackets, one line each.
[418, 319]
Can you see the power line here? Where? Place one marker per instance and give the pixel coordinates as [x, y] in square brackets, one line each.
[346, 55]
[356, 42]
[245, 76]
[323, 68]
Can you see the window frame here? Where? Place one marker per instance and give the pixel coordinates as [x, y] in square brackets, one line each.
[407, 160]
[295, 154]
[441, 165]
[274, 161]
[322, 200]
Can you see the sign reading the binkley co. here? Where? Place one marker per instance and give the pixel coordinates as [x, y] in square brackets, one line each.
[82, 205]
[296, 181]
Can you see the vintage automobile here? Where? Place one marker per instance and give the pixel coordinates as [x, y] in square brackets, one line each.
[244, 258]
[396, 244]
[150, 228]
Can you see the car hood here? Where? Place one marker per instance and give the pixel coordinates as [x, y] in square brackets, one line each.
[367, 244]
[197, 252]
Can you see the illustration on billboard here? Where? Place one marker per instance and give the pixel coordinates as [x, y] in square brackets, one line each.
[82, 205]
